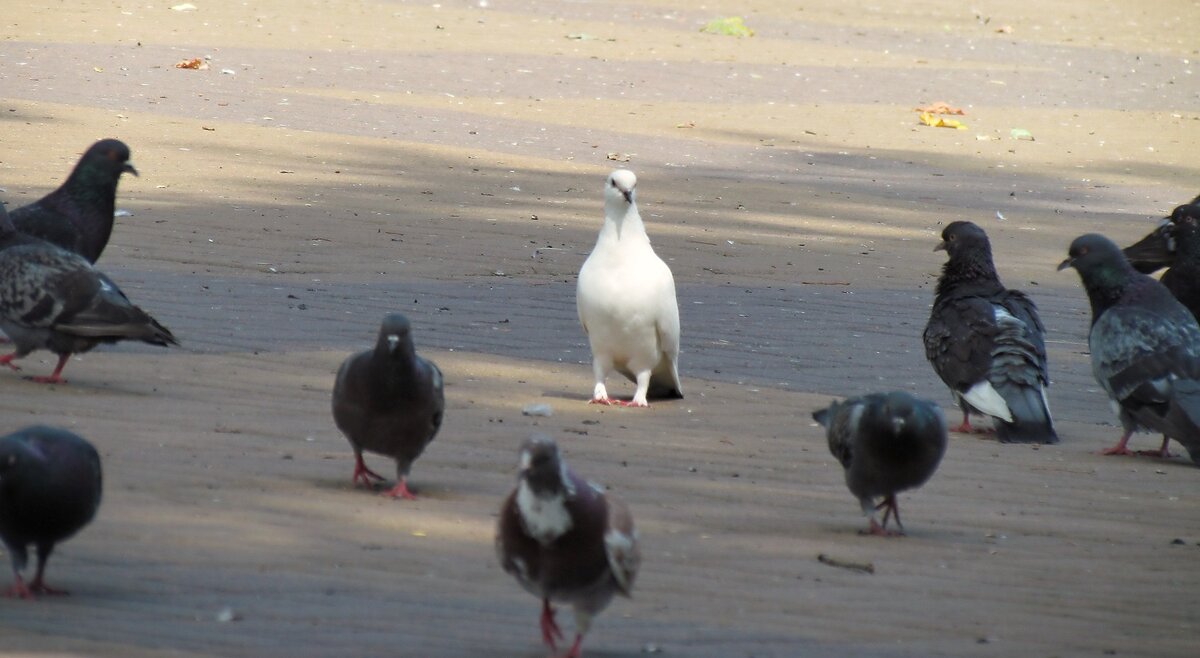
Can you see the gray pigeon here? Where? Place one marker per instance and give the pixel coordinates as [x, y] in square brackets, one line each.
[53, 299]
[565, 541]
[389, 401]
[987, 342]
[887, 443]
[78, 216]
[49, 489]
[1145, 347]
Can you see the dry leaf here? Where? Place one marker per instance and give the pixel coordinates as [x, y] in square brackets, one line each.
[940, 107]
[194, 63]
[939, 122]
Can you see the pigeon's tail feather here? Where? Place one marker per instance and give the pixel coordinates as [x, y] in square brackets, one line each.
[1186, 393]
[132, 323]
[1016, 374]
[664, 381]
[1031, 422]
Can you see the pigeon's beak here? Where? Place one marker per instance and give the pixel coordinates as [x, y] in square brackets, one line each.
[128, 168]
[393, 342]
[1070, 262]
[941, 246]
[628, 194]
[897, 425]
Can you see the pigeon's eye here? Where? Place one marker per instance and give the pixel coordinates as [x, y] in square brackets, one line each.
[1083, 251]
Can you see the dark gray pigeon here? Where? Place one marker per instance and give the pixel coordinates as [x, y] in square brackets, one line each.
[887, 443]
[1157, 249]
[53, 299]
[1145, 347]
[987, 343]
[1175, 244]
[49, 489]
[78, 216]
[565, 541]
[389, 401]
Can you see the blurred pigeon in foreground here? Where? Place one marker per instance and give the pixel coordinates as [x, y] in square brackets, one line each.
[626, 302]
[887, 443]
[78, 216]
[565, 541]
[1145, 347]
[49, 489]
[389, 401]
[53, 299]
[987, 343]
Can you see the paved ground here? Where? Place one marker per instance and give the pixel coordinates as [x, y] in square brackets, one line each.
[337, 161]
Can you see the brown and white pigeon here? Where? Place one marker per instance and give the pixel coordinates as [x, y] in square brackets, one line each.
[50, 486]
[625, 296]
[53, 299]
[987, 342]
[78, 216]
[389, 401]
[887, 443]
[565, 541]
[1145, 347]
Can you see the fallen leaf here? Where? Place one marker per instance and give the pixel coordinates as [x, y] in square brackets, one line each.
[730, 27]
[940, 107]
[940, 122]
[194, 63]
[618, 157]
[689, 124]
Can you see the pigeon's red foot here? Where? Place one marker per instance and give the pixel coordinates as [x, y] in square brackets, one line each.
[550, 629]
[574, 651]
[632, 403]
[37, 586]
[608, 402]
[18, 590]
[875, 529]
[399, 491]
[361, 472]
[1118, 449]
[7, 360]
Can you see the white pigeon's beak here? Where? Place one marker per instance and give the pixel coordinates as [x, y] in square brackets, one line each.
[393, 342]
[628, 194]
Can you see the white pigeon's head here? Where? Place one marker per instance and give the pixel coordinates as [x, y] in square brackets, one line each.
[620, 185]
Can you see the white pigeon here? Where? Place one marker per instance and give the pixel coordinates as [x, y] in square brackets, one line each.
[626, 302]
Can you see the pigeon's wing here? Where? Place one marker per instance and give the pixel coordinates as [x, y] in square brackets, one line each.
[1032, 334]
[841, 421]
[438, 407]
[42, 285]
[621, 545]
[107, 312]
[959, 342]
[1137, 352]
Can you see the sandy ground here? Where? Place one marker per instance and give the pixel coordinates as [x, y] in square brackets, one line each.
[338, 160]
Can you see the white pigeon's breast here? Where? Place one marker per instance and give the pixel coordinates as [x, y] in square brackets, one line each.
[544, 518]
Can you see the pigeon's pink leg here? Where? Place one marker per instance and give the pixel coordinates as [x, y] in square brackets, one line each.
[1161, 453]
[965, 427]
[400, 491]
[890, 508]
[1120, 448]
[18, 589]
[38, 586]
[604, 401]
[631, 403]
[54, 378]
[361, 472]
[550, 629]
[573, 652]
[7, 360]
